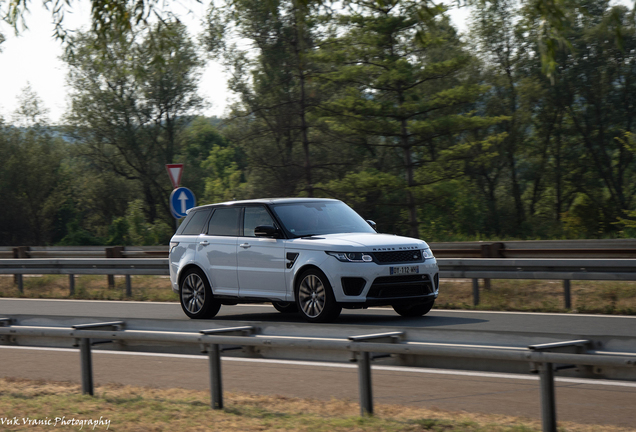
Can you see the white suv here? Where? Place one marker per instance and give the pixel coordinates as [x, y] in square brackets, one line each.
[313, 256]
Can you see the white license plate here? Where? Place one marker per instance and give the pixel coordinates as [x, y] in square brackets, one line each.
[404, 270]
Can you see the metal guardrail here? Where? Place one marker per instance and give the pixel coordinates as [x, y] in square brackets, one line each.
[607, 248]
[83, 252]
[364, 348]
[458, 268]
[613, 248]
[85, 266]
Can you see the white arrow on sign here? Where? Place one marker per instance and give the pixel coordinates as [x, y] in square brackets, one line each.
[183, 198]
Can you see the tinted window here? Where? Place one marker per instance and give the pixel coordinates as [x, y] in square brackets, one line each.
[225, 222]
[255, 216]
[320, 217]
[196, 222]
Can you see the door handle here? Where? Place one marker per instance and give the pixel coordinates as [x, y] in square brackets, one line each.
[245, 245]
[204, 243]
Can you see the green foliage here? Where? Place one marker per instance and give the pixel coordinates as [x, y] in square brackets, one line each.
[132, 99]
[32, 177]
[400, 87]
[225, 181]
[373, 194]
[133, 229]
[380, 104]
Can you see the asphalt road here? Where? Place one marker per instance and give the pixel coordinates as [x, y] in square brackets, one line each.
[582, 401]
[591, 325]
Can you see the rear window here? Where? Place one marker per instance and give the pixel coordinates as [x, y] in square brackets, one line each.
[196, 222]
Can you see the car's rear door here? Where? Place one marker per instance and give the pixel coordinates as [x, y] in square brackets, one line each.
[216, 250]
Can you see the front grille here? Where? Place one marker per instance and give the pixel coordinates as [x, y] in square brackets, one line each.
[400, 286]
[352, 286]
[398, 256]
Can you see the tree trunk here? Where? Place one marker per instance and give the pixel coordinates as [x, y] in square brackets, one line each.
[414, 227]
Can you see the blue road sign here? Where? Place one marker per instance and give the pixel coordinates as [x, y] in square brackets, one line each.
[181, 199]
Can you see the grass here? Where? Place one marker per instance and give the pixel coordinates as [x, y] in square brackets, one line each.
[596, 297]
[590, 297]
[88, 287]
[146, 409]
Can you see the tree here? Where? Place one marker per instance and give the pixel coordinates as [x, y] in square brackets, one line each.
[131, 100]
[273, 121]
[33, 177]
[400, 89]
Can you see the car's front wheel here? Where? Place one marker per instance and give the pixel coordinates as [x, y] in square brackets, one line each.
[315, 298]
[414, 310]
[195, 294]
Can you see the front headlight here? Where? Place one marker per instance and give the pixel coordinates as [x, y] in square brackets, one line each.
[427, 253]
[351, 256]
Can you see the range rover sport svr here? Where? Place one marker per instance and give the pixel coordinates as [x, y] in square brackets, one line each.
[305, 255]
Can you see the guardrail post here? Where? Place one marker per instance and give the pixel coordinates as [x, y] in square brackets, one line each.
[71, 284]
[493, 250]
[364, 367]
[20, 282]
[86, 358]
[110, 278]
[128, 286]
[475, 292]
[546, 374]
[87, 366]
[214, 356]
[548, 401]
[18, 279]
[567, 294]
[113, 252]
[364, 384]
[216, 384]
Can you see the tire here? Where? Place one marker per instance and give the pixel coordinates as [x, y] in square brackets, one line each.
[414, 310]
[285, 307]
[195, 295]
[314, 297]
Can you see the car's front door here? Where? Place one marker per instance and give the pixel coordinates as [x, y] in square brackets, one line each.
[261, 261]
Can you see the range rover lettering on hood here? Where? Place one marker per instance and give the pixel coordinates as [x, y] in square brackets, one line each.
[396, 248]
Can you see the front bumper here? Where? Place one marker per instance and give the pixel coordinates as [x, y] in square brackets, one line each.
[372, 284]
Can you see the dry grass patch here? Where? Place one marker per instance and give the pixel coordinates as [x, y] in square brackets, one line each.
[149, 409]
[607, 297]
[88, 287]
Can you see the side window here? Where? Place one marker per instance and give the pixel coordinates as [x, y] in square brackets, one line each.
[196, 222]
[255, 216]
[225, 222]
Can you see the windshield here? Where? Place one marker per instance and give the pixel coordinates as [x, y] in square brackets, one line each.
[315, 218]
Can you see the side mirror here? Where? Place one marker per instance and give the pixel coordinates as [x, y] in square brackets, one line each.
[266, 231]
[373, 224]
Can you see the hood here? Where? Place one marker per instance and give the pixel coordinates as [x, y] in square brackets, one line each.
[353, 242]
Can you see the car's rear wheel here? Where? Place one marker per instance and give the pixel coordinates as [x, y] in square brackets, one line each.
[195, 294]
[315, 298]
[414, 310]
[285, 307]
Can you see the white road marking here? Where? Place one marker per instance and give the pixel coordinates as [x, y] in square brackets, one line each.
[344, 366]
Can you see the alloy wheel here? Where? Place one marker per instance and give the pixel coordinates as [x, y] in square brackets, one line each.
[193, 293]
[312, 296]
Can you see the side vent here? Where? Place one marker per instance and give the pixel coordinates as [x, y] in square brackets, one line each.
[291, 259]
